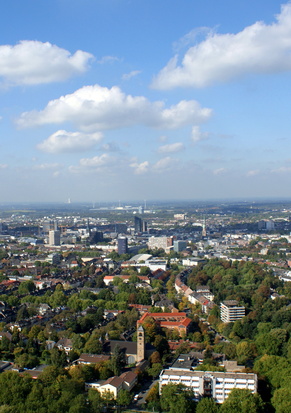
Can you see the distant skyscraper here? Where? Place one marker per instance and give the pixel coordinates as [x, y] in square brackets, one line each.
[179, 245]
[140, 225]
[122, 245]
[54, 237]
[50, 225]
[204, 232]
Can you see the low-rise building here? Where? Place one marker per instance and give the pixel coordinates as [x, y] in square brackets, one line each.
[216, 384]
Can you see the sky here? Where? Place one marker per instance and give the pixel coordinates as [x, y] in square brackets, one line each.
[119, 100]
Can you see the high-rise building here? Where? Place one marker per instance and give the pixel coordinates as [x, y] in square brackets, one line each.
[54, 237]
[230, 311]
[140, 225]
[179, 245]
[122, 245]
[50, 225]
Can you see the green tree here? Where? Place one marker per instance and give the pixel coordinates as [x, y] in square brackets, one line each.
[282, 400]
[207, 405]
[176, 398]
[242, 401]
[117, 361]
[96, 402]
[58, 357]
[26, 287]
[124, 398]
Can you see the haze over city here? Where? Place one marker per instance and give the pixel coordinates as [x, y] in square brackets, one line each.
[116, 100]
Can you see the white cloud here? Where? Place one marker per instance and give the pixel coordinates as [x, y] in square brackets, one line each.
[110, 147]
[197, 135]
[190, 38]
[96, 161]
[108, 59]
[129, 75]
[140, 168]
[94, 108]
[259, 48]
[171, 148]
[253, 172]
[3, 166]
[33, 62]
[219, 171]
[63, 141]
[95, 164]
[164, 163]
[282, 170]
[46, 166]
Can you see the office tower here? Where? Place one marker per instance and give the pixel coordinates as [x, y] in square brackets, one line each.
[54, 237]
[122, 245]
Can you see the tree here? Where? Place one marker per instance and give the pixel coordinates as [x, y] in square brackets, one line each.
[242, 401]
[282, 400]
[124, 398]
[206, 405]
[176, 398]
[245, 351]
[58, 357]
[96, 402]
[155, 370]
[117, 361]
[26, 287]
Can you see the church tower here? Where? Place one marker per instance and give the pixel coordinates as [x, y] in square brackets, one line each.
[140, 344]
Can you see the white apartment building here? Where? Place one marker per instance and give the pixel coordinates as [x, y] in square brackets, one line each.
[160, 242]
[230, 311]
[215, 384]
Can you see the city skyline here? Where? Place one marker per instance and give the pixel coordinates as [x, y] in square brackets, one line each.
[116, 100]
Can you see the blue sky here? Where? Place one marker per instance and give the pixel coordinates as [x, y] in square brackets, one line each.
[104, 100]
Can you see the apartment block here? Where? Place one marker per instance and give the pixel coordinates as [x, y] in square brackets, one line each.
[230, 311]
[216, 385]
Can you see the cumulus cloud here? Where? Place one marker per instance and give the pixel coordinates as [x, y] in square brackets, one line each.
[94, 108]
[33, 62]
[96, 161]
[140, 168]
[160, 166]
[129, 75]
[94, 164]
[171, 148]
[63, 141]
[259, 48]
[197, 135]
